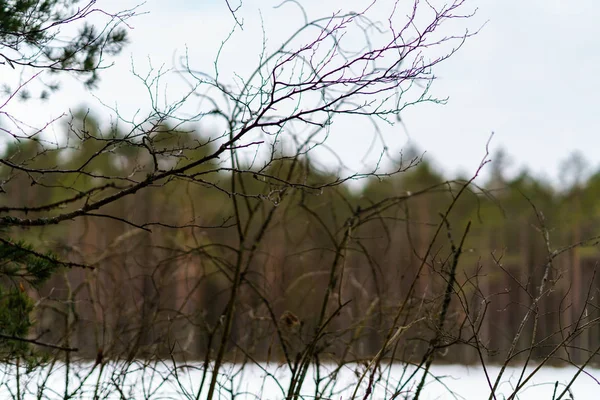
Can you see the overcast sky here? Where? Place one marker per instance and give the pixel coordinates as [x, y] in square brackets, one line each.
[530, 76]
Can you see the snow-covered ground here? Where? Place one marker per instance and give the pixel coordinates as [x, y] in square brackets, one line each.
[161, 380]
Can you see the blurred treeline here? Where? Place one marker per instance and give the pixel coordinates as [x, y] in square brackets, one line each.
[161, 291]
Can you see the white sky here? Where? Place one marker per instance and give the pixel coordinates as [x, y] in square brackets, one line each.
[530, 76]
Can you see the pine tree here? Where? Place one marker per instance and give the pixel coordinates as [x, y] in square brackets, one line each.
[32, 39]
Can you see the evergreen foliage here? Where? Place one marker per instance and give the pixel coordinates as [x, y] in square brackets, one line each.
[30, 36]
[20, 266]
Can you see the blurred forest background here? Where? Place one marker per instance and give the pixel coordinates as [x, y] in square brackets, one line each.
[161, 291]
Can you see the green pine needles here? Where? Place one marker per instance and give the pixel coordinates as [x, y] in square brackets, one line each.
[20, 266]
[30, 37]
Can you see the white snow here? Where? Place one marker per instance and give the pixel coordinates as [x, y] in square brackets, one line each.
[165, 380]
